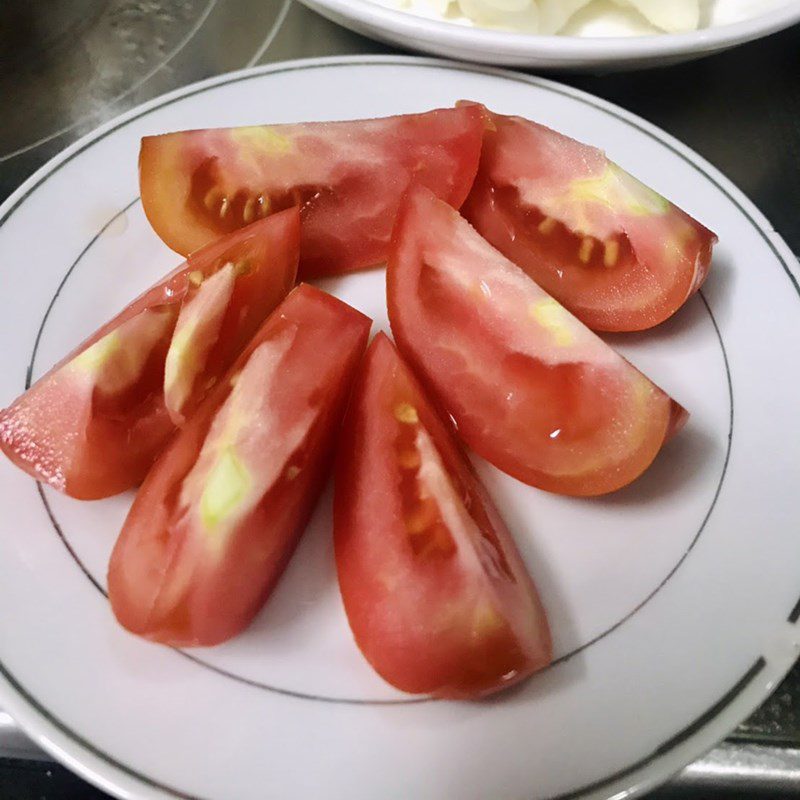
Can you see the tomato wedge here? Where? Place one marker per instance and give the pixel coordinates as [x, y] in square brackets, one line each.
[530, 388]
[93, 425]
[348, 178]
[437, 596]
[618, 255]
[218, 516]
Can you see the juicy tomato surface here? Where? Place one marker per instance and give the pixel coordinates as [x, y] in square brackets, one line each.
[93, 425]
[218, 516]
[436, 593]
[530, 387]
[347, 177]
[618, 255]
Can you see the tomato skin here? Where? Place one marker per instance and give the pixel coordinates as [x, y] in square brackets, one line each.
[528, 386]
[220, 513]
[347, 177]
[92, 426]
[616, 254]
[448, 609]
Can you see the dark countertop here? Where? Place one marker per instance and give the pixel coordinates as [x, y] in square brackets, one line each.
[739, 109]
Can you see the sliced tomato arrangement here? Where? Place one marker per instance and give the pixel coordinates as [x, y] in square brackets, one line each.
[529, 387]
[226, 393]
[617, 254]
[218, 516]
[347, 178]
[93, 425]
[436, 593]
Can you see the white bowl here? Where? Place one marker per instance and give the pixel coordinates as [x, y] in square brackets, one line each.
[557, 52]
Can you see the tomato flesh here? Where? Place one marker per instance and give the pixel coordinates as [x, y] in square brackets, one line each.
[227, 298]
[346, 177]
[529, 387]
[436, 593]
[615, 253]
[218, 516]
[93, 425]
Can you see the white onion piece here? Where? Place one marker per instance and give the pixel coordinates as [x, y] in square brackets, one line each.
[517, 15]
[673, 16]
[507, 6]
[624, 17]
[439, 6]
[554, 14]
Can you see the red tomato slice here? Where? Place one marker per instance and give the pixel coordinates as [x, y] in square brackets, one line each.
[437, 595]
[219, 514]
[348, 178]
[93, 425]
[530, 388]
[614, 252]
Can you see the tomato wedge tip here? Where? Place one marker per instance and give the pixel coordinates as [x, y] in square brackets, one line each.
[218, 516]
[615, 253]
[530, 388]
[93, 425]
[347, 178]
[436, 593]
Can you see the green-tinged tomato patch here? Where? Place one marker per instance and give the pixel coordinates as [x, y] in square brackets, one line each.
[228, 482]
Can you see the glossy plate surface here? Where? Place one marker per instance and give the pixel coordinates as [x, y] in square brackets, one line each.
[673, 603]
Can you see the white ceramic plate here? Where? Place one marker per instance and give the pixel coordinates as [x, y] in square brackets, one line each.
[673, 603]
[445, 38]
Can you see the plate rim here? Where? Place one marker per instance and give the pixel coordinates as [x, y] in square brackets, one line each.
[555, 48]
[102, 769]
